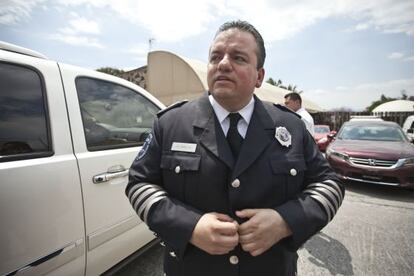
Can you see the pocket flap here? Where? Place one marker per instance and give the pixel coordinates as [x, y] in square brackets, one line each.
[186, 161]
[284, 166]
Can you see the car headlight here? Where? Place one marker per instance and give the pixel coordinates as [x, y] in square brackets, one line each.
[406, 161]
[337, 154]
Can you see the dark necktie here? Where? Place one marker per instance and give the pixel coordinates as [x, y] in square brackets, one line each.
[233, 136]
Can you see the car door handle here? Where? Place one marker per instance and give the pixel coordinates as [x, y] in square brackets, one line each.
[112, 173]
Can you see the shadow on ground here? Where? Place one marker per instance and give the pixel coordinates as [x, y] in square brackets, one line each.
[321, 248]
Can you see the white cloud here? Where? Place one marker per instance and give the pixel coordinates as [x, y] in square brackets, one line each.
[82, 25]
[14, 11]
[139, 52]
[173, 21]
[395, 55]
[360, 96]
[77, 40]
[141, 49]
[409, 58]
[362, 26]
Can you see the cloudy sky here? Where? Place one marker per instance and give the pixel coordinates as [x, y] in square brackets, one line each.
[341, 53]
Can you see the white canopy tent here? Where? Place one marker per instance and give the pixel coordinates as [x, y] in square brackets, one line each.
[394, 106]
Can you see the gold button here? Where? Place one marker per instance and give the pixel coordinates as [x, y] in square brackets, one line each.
[177, 169]
[293, 172]
[234, 260]
[235, 183]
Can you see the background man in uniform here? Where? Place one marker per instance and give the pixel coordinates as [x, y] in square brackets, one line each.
[294, 101]
[232, 185]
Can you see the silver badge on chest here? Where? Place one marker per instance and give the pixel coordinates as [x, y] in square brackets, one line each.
[283, 136]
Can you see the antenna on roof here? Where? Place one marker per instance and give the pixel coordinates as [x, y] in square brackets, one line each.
[150, 43]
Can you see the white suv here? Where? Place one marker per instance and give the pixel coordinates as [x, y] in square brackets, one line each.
[67, 138]
[408, 127]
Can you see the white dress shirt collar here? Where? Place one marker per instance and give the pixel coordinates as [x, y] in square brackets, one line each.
[221, 113]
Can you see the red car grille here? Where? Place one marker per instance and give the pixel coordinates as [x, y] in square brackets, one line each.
[372, 162]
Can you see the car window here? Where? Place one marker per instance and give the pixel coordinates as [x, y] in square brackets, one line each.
[24, 130]
[322, 129]
[113, 116]
[375, 133]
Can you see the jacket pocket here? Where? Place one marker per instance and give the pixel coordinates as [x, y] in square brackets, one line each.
[292, 171]
[180, 171]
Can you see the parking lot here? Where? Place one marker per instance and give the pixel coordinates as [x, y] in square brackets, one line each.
[372, 234]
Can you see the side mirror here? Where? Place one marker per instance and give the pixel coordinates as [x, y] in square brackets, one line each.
[331, 136]
[410, 130]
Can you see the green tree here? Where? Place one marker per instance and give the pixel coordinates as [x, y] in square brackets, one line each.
[376, 103]
[280, 84]
[384, 99]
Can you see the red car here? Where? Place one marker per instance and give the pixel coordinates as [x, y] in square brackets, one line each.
[321, 136]
[373, 152]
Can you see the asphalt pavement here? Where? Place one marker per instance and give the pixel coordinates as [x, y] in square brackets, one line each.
[372, 234]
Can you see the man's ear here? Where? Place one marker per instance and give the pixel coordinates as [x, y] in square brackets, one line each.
[260, 77]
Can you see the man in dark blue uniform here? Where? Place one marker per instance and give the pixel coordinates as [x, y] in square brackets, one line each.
[231, 184]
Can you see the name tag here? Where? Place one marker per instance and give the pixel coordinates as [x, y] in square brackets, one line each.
[185, 147]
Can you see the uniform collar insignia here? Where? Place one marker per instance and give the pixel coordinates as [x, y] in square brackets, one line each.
[283, 136]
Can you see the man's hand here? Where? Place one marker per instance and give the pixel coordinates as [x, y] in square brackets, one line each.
[215, 233]
[263, 229]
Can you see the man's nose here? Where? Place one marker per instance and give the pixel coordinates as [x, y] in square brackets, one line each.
[224, 64]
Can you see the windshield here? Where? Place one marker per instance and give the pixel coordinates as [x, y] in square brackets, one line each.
[322, 129]
[374, 133]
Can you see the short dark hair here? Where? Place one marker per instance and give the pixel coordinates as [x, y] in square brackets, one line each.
[294, 96]
[247, 27]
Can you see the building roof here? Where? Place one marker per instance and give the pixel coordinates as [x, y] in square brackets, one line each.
[395, 106]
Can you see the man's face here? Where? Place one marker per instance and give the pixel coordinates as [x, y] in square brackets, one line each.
[231, 71]
[293, 105]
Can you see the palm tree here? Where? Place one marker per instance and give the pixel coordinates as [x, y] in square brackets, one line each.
[279, 83]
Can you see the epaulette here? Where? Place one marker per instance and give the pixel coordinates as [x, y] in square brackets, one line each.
[174, 105]
[284, 108]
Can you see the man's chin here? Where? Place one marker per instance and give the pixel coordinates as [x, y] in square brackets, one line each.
[223, 93]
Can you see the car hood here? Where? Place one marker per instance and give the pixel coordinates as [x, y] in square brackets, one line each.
[386, 150]
[320, 135]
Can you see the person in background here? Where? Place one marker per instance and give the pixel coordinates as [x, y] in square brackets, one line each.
[233, 186]
[294, 101]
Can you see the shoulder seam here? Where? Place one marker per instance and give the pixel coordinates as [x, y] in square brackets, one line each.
[170, 107]
[285, 109]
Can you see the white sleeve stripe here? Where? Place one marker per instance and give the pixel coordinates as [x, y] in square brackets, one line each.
[321, 187]
[327, 210]
[143, 188]
[334, 185]
[323, 199]
[145, 205]
[138, 192]
[134, 188]
[332, 188]
[144, 194]
[327, 194]
[149, 205]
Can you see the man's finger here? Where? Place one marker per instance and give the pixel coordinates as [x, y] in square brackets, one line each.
[246, 213]
[229, 242]
[226, 228]
[223, 217]
[247, 238]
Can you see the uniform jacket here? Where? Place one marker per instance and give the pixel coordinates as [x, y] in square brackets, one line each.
[172, 186]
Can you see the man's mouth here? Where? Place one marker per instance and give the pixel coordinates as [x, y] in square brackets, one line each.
[222, 78]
